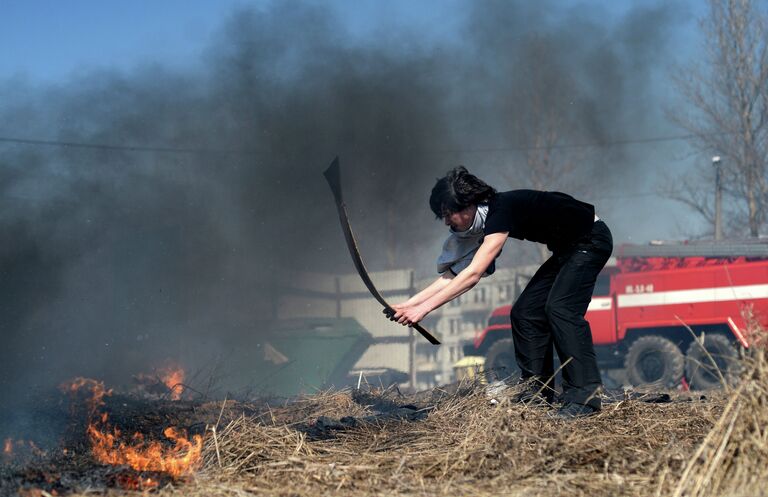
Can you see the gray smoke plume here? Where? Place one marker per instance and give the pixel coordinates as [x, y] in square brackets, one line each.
[114, 259]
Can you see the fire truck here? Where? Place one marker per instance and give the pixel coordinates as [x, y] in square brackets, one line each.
[669, 313]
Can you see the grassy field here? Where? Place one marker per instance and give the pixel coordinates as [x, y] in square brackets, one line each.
[455, 442]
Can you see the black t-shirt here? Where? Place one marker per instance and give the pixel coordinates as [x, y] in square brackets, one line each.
[553, 218]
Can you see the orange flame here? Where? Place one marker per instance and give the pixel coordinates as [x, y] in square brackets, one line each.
[141, 455]
[133, 482]
[173, 377]
[20, 449]
[98, 392]
[108, 448]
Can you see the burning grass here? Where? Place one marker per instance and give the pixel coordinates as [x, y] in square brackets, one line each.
[459, 445]
[109, 446]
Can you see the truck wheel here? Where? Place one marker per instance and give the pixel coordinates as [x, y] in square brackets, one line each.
[654, 359]
[500, 362]
[701, 373]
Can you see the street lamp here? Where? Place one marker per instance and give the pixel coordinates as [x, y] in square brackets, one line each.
[716, 163]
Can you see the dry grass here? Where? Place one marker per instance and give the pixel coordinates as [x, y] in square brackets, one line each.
[690, 447]
[733, 457]
[464, 447]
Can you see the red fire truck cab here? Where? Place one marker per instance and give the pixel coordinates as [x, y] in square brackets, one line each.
[667, 312]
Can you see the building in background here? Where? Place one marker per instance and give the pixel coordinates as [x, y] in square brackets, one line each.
[397, 353]
[457, 322]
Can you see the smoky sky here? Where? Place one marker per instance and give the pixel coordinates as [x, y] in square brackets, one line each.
[113, 259]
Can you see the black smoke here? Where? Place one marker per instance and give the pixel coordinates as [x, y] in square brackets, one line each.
[114, 258]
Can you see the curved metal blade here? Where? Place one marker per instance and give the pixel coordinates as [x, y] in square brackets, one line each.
[333, 176]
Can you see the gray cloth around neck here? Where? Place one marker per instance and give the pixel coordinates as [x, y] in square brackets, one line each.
[461, 246]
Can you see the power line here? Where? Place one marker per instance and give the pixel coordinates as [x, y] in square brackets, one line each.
[184, 150]
[128, 148]
[194, 150]
[612, 143]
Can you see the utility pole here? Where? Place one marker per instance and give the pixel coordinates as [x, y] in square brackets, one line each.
[718, 198]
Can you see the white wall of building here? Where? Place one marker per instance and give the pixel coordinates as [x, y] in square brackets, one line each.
[456, 323]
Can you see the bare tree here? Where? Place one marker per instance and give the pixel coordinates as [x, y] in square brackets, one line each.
[727, 112]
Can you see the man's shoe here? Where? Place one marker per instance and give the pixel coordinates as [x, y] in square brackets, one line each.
[496, 389]
[571, 410]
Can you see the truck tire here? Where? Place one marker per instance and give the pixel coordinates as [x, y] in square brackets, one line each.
[699, 370]
[654, 360]
[500, 362]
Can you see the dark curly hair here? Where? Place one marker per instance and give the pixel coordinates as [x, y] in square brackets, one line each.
[457, 190]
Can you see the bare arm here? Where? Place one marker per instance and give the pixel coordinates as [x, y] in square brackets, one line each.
[428, 292]
[464, 281]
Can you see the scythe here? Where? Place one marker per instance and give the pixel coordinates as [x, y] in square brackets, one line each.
[333, 176]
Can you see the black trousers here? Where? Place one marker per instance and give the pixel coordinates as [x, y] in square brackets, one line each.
[550, 311]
